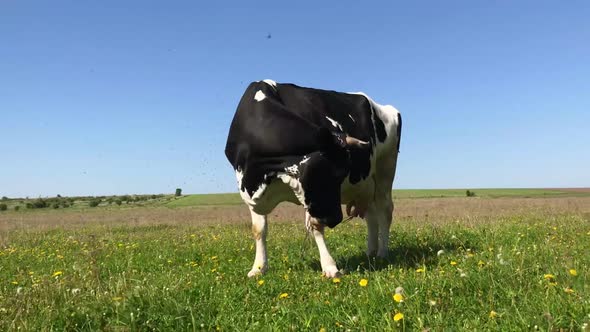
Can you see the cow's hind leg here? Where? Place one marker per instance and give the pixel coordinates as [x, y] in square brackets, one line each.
[386, 209]
[259, 229]
[379, 218]
[329, 268]
[380, 213]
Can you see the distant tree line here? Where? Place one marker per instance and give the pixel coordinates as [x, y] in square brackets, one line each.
[66, 202]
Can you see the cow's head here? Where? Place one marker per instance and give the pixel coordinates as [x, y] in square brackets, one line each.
[323, 173]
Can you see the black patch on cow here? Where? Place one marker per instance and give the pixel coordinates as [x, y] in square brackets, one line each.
[380, 129]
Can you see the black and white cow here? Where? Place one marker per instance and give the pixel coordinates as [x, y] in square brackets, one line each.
[319, 149]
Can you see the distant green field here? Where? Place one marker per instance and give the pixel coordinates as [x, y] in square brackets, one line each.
[496, 192]
[234, 199]
[206, 199]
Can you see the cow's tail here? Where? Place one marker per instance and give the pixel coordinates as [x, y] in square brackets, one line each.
[399, 129]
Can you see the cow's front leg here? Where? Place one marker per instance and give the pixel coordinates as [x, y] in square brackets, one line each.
[259, 229]
[329, 268]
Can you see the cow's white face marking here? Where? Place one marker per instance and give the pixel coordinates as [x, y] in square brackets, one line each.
[334, 123]
[350, 116]
[271, 83]
[259, 96]
[304, 160]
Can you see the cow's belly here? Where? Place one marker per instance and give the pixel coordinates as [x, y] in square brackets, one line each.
[361, 192]
[279, 190]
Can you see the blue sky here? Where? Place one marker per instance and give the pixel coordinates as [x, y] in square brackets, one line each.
[117, 97]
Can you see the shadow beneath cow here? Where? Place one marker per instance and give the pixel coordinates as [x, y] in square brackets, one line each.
[405, 256]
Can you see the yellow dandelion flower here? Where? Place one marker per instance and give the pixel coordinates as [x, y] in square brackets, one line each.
[481, 263]
[420, 270]
[323, 329]
[260, 282]
[493, 314]
[398, 298]
[573, 272]
[336, 280]
[213, 258]
[57, 274]
[397, 317]
[549, 276]
[453, 263]
[363, 282]
[284, 295]
[14, 282]
[569, 290]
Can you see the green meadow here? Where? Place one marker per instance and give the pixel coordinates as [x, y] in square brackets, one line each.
[528, 271]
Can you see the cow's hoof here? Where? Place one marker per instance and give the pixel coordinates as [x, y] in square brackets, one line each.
[256, 272]
[332, 272]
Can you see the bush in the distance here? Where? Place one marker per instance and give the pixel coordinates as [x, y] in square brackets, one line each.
[40, 203]
[94, 203]
[3, 207]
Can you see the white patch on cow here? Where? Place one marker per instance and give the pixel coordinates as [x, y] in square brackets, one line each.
[296, 187]
[350, 116]
[292, 170]
[334, 123]
[239, 177]
[304, 160]
[259, 191]
[272, 83]
[259, 96]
